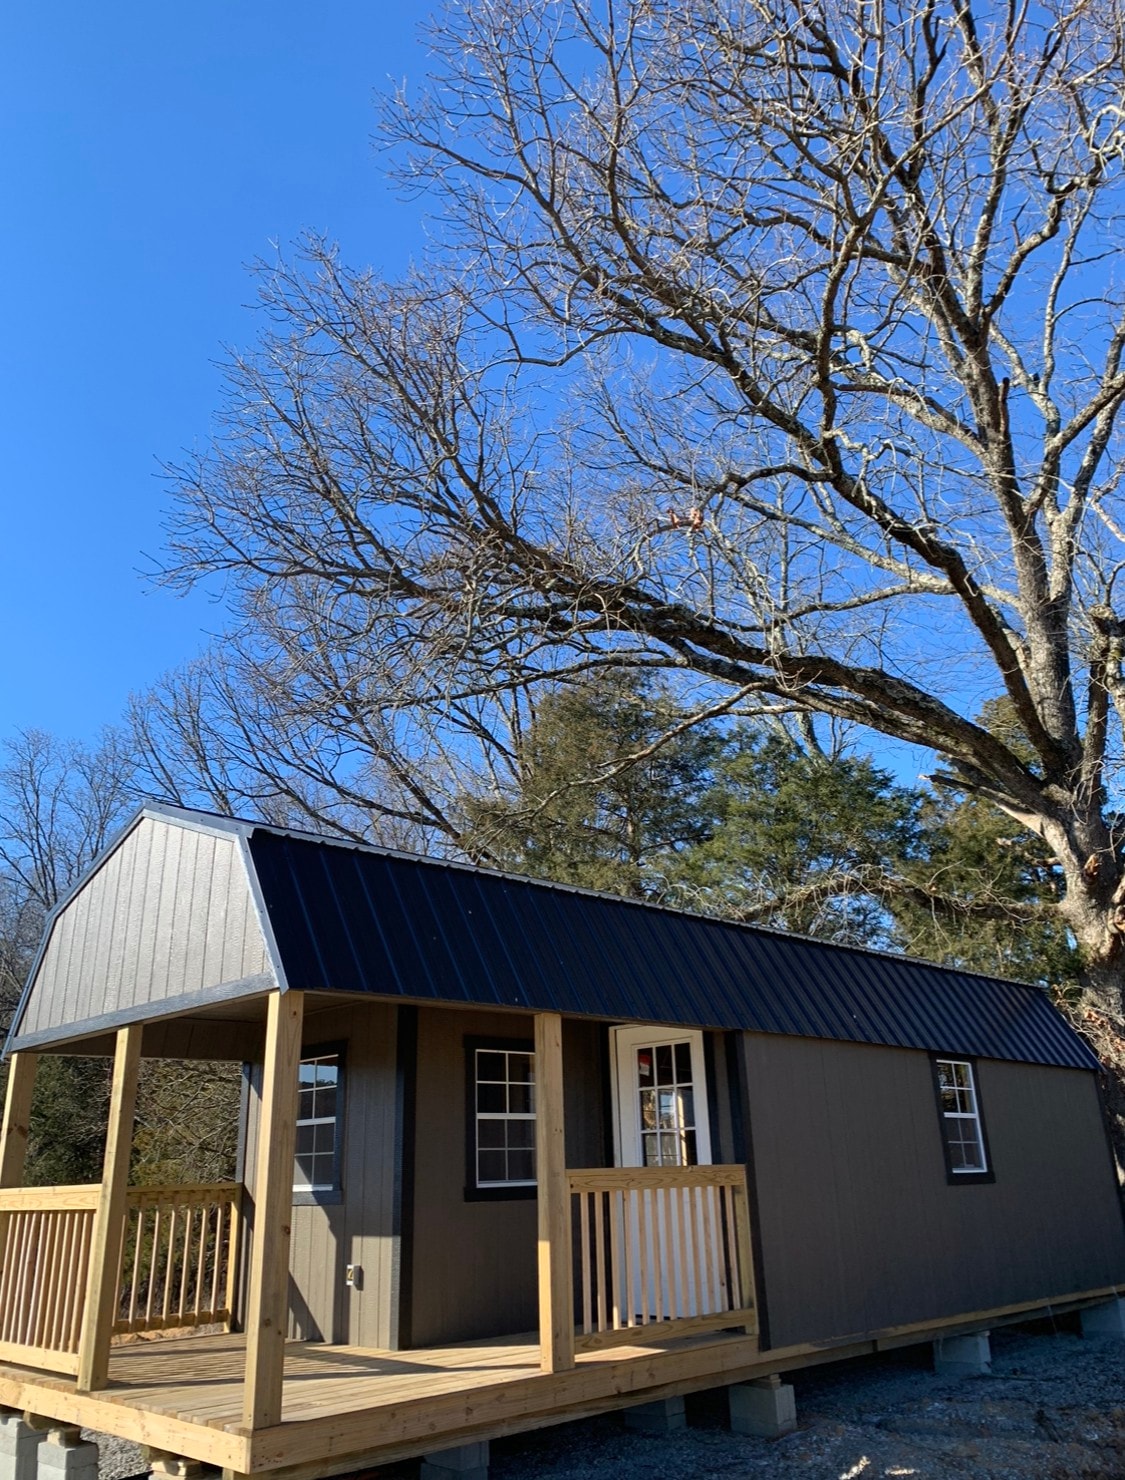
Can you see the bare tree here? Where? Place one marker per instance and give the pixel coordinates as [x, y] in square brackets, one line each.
[776, 346]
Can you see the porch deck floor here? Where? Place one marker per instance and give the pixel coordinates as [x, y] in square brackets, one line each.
[184, 1394]
[199, 1378]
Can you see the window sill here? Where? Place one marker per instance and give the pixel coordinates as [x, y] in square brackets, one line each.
[501, 1194]
[328, 1198]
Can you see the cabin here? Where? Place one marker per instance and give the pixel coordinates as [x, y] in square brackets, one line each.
[513, 1154]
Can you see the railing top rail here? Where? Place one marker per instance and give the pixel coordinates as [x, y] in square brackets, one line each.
[184, 1192]
[593, 1179]
[50, 1199]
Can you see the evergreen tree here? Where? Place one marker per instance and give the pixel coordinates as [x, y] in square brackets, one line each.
[611, 787]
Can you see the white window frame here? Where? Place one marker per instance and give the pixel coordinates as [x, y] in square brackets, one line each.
[507, 1116]
[319, 1190]
[972, 1114]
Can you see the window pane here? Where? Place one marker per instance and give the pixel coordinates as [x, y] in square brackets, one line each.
[664, 1073]
[492, 1099]
[519, 1068]
[521, 1132]
[490, 1133]
[492, 1166]
[324, 1102]
[689, 1155]
[667, 1102]
[306, 1073]
[304, 1139]
[491, 1066]
[670, 1151]
[324, 1137]
[521, 1166]
[644, 1066]
[304, 1104]
[687, 1107]
[651, 1150]
[683, 1063]
[648, 1109]
[519, 1099]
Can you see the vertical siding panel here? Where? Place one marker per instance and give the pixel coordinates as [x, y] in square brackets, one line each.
[154, 885]
[218, 912]
[176, 912]
[103, 908]
[76, 958]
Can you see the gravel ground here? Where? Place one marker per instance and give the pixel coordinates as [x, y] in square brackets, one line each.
[1053, 1409]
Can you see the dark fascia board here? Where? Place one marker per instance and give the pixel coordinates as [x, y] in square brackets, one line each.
[167, 812]
[169, 1007]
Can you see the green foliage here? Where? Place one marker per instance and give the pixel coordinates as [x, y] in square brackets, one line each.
[611, 788]
[801, 841]
[984, 896]
[69, 1113]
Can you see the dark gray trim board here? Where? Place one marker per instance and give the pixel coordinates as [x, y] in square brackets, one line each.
[148, 1012]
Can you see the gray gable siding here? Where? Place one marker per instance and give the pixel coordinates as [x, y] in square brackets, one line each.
[168, 915]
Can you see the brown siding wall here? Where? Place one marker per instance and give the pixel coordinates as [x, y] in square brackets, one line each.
[859, 1227]
[362, 1229]
[474, 1263]
[169, 912]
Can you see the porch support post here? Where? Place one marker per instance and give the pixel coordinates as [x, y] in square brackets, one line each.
[267, 1304]
[109, 1217]
[17, 1116]
[556, 1256]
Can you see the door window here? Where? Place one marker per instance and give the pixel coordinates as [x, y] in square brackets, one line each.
[666, 1105]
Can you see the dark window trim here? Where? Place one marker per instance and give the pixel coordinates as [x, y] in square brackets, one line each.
[328, 1197]
[473, 1193]
[954, 1178]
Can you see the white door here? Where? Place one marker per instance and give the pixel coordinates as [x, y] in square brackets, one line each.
[661, 1098]
[660, 1120]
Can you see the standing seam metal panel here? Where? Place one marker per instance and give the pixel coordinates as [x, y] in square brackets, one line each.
[422, 929]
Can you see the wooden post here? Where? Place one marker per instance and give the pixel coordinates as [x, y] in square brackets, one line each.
[556, 1275]
[267, 1303]
[13, 1136]
[109, 1217]
[17, 1116]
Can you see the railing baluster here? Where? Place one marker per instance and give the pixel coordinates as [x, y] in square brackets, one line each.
[671, 1250]
[599, 1254]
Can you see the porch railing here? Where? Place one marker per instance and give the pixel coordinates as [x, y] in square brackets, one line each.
[45, 1234]
[662, 1252]
[179, 1257]
[176, 1266]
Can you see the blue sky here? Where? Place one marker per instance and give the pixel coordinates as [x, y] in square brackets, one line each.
[149, 152]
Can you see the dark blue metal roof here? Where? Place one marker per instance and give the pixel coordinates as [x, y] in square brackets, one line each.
[356, 919]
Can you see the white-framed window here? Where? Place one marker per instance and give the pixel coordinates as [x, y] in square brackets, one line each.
[960, 1118]
[503, 1140]
[316, 1167]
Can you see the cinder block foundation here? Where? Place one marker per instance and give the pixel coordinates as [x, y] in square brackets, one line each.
[1107, 1319]
[963, 1356]
[65, 1455]
[765, 1409]
[465, 1462]
[19, 1447]
[662, 1417]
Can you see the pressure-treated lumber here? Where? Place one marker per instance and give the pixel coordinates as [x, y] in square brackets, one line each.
[556, 1297]
[267, 1301]
[109, 1218]
[17, 1118]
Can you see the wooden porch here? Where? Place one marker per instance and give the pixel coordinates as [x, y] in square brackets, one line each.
[344, 1408]
[646, 1288]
